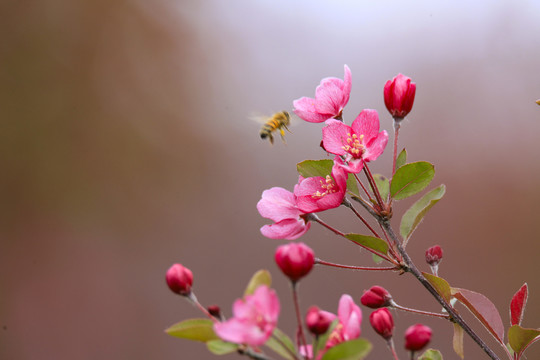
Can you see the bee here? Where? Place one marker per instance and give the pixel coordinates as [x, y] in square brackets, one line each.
[276, 122]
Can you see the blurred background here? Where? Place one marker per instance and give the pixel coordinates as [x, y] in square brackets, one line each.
[125, 146]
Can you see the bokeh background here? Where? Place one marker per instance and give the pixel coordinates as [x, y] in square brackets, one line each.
[125, 147]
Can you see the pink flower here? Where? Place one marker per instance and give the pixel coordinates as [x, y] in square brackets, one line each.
[255, 318]
[316, 194]
[295, 260]
[399, 95]
[279, 205]
[179, 279]
[417, 336]
[348, 328]
[331, 96]
[359, 142]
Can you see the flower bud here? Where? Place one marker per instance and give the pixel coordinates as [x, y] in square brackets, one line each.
[215, 311]
[295, 260]
[434, 255]
[399, 96]
[376, 297]
[179, 279]
[416, 337]
[382, 322]
[318, 321]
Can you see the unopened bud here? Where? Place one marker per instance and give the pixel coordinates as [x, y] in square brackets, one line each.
[417, 337]
[376, 297]
[382, 322]
[179, 279]
[434, 255]
[215, 311]
[295, 260]
[318, 321]
[399, 96]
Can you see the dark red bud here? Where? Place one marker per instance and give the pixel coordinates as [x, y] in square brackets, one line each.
[215, 311]
[434, 255]
[295, 260]
[376, 297]
[382, 322]
[417, 337]
[399, 95]
[318, 321]
[179, 279]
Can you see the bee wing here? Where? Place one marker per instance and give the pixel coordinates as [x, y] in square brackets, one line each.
[258, 118]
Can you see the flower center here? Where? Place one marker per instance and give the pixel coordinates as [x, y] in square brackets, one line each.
[354, 145]
[328, 186]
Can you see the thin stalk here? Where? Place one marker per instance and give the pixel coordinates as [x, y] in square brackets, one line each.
[298, 316]
[253, 355]
[193, 300]
[422, 312]
[373, 185]
[397, 125]
[351, 267]
[348, 204]
[392, 348]
[363, 187]
[285, 347]
[365, 205]
[410, 267]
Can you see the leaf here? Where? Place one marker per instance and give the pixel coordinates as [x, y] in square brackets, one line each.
[484, 310]
[411, 179]
[220, 347]
[374, 243]
[323, 339]
[193, 329]
[261, 277]
[377, 259]
[276, 342]
[312, 168]
[517, 305]
[520, 338]
[383, 184]
[431, 354]
[401, 159]
[441, 285]
[412, 218]
[349, 350]
[458, 341]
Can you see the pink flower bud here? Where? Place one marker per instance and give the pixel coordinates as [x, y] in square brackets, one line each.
[179, 279]
[215, 311]
[399, 95]
[318, 321]
[434, 255]
[382, 322]
[376, 297]
[295, 260]
[416, 337]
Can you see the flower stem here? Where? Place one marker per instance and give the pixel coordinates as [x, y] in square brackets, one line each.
[193, 300]
[298, 315]
[374, 187]
[454, 316]
[363, 187]
[253, 355]
[397, 125]
[348, 204]
[428, 313]
[350, 267]
[392, 348]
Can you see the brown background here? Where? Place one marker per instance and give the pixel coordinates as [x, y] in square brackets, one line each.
[124, 147]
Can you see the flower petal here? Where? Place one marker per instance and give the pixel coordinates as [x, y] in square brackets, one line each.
[305, 109]
[278, 204]
[376, 147]
[329, 96]
[289, 229]
[335, 137]
[367, 124]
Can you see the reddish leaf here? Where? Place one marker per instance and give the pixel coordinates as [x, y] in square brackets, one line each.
[517, 305]
[484, 310]
[458, 341]
[520, 338]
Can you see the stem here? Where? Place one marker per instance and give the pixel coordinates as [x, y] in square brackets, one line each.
[278, 340]
[253, 355]
[422, 312]
[348, 204]
[298, 316]
[410, 267]
[365, 205]
[363, 187]
[373, 185]
[392, 348]
[397, 125]
[350, 267]
[193, 300]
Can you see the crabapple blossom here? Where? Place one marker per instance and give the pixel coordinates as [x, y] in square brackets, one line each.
[348, 328]
[295, 260]
[316, 194]
[255, 318]
[279, 205]
[358, 143]
[399, 96]
[382, 322]
[417, 336]
[179, 279]
[331, 96]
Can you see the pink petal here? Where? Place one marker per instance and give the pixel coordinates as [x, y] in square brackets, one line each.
[376, 147]
[329, 96]
[278, 204]
[267, 303]
[367, 124]
[347, 84]
[335, 137]
[352, 327]
[240, 332]
[305, 109]
[289, 229]
[345, 308]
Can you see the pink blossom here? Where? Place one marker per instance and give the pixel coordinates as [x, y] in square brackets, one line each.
[319, 193]
[255, 318]
[331, 96]
[279, 205]
[359, 142]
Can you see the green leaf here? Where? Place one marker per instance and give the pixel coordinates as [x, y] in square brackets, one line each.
[411, 179]
[458, 340]
[401, 159]
[193, 329]
[374, 243]
[441, 285]
[383, 184]
[220, 347]
[276, 342]
[431, 354]
[312, 168]
[412, 218]
[521, 338]
[349, 350]
[377, 259]
[261, 277]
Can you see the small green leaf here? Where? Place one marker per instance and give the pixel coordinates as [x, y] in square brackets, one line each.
[458, 341]
[312, 168]
[412, 218]
[377, 259]
[374, 243]
[349, 350]
[431, 354]
[383, 184]
[441, 285]
[411, 179]
[193, 329]
[401, 159]
[261, 277]
[220, 347]
[276, 342]
[521, 338]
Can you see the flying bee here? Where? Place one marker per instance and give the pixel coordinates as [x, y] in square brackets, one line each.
[277, 122]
